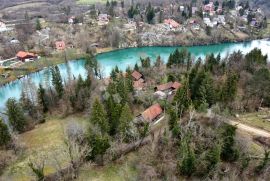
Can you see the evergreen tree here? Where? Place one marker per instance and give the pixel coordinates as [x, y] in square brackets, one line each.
[15, 115]
[182, 98]
[158, 62]
[228, 150]
[123, 90]
[171, 78]
[172, 119]
[150, 13]
[208, 30]
[28, 106]
[187, 163]
[113, 111]
[124, 121]
[99, 117]
[92, 66]
[146, 63]
[5, 137]
[259, 86]
[99, 143]
[42, 99]
[57, 81]
[160, 19]
[254, 59]
[213, 156]
[108, 4]
[38, 25]
[229, 89]
[202, 90]
[113, 74]
[136, 67]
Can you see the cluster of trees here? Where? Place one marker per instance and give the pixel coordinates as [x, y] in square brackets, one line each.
[180, 58]
[73, 95]
[149, 12]
[229, 4]
[216, 81]
[133, 11]
[110, 7]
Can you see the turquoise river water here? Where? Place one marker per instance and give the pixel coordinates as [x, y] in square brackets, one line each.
[124, 58]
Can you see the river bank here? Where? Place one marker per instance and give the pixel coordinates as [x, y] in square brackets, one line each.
[123, 58]
[60, 58]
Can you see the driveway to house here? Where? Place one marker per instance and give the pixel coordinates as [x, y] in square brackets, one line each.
[250, 129]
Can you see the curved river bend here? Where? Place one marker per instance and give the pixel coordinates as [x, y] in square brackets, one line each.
[123, 59]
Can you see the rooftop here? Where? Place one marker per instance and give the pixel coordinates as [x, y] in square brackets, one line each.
[152, 112]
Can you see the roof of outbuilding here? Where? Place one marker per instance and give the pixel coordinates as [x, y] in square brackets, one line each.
[169, 85]
[152, 112]
[23, 54]
[137, 75]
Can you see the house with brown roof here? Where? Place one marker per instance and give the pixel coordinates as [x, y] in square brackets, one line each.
[136, 75]
[25, 56]
[151, 114]
[138, 80]
[60, 45]
[138, 85]
[168, 87]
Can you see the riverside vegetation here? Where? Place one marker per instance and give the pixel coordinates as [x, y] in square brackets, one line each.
[187, 144]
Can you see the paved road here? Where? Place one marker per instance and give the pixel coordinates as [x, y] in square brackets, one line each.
[250, 129]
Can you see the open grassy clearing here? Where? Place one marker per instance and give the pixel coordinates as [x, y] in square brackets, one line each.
[259, 120]
[25, 5]
[122, 170]
[45, 141]
[90, 1]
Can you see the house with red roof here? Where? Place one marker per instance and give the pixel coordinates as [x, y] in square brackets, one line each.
[171, 23]
[60, 45]
[25, 56]
[209, 7]
[152, 114]
[136, 75]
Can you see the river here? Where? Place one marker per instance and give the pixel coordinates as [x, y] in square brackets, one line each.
[124, 58]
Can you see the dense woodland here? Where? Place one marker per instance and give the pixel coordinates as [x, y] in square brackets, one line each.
[190, 144]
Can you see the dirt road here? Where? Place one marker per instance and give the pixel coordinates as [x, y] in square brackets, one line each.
[250, 129]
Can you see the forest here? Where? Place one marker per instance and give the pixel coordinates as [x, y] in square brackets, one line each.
[193, 141]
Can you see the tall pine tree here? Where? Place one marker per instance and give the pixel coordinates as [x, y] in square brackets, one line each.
[124, 121]
[57, 81]
[5, 137]
[99, 117]
[15, 115]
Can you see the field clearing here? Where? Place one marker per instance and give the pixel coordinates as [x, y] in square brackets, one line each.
[45, 141]
[90, 1]
[125, 169]
[26, 5]
[259, 120]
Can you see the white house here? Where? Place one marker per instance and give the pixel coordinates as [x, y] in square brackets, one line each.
[3, 26]
[103, 19]
[182, 8]
[71, 20]
[221, 19]
[208, 22]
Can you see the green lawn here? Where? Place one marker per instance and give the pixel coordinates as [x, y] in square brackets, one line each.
[257, 119]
